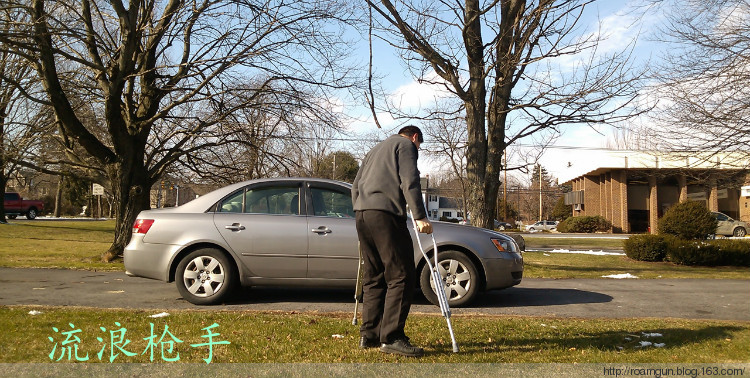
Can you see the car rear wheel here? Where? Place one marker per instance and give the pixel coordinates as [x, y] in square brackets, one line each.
[12, 216]
[460, 279]
[31, 214]
[205, 277]
[740, 232]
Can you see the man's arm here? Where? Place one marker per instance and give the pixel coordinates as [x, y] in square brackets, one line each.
[411, 186]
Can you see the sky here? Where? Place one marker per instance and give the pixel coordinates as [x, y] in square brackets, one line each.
[579, 149]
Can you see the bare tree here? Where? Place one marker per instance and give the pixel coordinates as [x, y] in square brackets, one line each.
[21, 123]
[503, 60]
[159, 75]
[703, 86]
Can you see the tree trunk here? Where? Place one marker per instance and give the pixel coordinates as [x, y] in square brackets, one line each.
[131, 188]
[58, 196]
[3, 182]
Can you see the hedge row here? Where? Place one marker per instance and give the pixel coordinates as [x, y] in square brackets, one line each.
[688, 252]
[585, 223]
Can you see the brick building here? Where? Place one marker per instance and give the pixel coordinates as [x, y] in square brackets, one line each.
[634, 198]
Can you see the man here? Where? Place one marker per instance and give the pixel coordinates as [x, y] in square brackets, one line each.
[387, 181]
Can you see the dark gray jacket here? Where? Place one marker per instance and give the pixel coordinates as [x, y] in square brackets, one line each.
[389, 179]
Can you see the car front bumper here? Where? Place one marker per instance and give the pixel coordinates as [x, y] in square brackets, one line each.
[503, 272]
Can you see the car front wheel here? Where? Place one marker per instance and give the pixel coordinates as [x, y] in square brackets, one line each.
[460, 279]
[205, 277]
[740, 232]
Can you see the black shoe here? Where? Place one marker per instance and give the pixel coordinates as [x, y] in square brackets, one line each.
[402, 347]
[365, 343]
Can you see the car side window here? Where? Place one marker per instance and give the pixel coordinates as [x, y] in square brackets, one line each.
[232, 204]
[721, 217]
[331, 203]
[272, 200]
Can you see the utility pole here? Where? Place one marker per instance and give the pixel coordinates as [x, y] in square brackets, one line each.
[540, 191]
[505, 186]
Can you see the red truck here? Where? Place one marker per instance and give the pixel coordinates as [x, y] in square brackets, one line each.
[15, 206]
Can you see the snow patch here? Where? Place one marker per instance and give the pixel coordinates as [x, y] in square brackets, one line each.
[589, 252]
[620, 276]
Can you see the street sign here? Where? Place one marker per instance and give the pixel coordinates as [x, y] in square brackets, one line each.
[97, 190]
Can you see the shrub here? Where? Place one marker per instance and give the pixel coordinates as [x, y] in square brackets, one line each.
[693, 252]
[710, 253]
[688, 220]
[647, 247]
[586, 224]
[734, 252]
[451, 220]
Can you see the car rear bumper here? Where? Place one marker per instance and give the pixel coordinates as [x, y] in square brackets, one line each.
[148, 259]
[511, 268]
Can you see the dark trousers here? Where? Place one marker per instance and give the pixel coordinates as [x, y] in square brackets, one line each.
[389, 276]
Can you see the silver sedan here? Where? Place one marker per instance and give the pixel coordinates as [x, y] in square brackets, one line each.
[297, 232]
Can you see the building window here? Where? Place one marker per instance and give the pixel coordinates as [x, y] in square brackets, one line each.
[432, 198]
[448, 214]
[459, 214]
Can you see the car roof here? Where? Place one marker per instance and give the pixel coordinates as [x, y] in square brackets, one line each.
[207, 200]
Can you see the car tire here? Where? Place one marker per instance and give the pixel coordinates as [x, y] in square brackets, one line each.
[739, 232]
[206, 277]
[11, 216]
[461, 288]
[31, 214]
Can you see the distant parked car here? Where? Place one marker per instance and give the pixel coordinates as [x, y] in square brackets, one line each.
[728, 226]
[502, 225]
[498, 225]
[542, 226]
[297, 232]
[15, 206]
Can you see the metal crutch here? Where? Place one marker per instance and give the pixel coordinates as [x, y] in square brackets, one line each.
[358, 288]
[438, 281]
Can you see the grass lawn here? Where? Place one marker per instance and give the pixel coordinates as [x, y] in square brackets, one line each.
[571, 243]
[57, 244]
[325, 338]
[283, 337]
[78, 245]
[565, 265]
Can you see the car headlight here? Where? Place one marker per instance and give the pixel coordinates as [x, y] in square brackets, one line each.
[503, 245]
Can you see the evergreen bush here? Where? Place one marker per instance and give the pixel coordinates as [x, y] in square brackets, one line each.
[585, 224]
[710, 252]
[647, 247]
[688, 220]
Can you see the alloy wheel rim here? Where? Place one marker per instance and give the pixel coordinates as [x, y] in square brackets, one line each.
[204, 276]
[456, 279]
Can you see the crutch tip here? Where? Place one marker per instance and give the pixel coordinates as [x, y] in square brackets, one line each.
[455, 349]
[354, 321]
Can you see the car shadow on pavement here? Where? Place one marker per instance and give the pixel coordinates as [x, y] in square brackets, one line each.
[525, 297]
[277, 294]
[511, 297]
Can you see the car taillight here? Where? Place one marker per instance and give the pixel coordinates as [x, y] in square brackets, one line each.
[141, 226]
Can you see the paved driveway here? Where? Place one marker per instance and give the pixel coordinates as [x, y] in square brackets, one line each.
[585, 298]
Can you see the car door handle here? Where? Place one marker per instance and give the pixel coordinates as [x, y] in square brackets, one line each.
[235, 227]
[321, 230]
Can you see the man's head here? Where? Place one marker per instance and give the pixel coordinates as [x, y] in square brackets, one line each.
[413, 133]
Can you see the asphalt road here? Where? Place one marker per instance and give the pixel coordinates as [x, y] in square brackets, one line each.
[582, 298]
